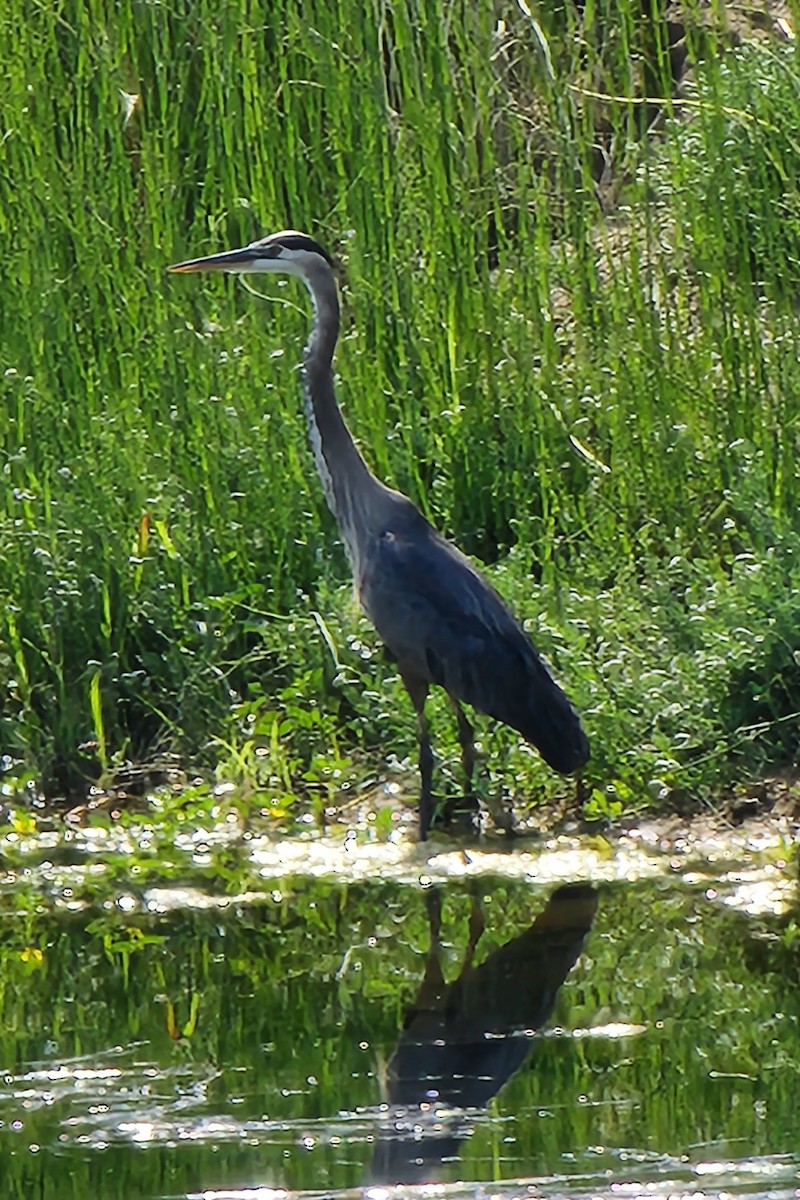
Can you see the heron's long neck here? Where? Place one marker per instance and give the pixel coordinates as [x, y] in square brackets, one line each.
[346, 479]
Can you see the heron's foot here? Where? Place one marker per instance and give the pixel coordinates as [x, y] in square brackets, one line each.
[464, 813]
[444, 812]
[500, 812]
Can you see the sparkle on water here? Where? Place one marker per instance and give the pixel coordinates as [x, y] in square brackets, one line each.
[353, 1018]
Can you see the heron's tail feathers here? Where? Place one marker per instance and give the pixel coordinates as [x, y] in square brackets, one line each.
[556, 732]
[539, 710]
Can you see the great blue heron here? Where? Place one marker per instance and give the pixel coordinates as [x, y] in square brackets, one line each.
[440, 620]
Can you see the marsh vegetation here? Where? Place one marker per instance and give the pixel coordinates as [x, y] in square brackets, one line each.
[571, 337]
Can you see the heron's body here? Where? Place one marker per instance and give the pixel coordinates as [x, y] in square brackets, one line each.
[440, 620]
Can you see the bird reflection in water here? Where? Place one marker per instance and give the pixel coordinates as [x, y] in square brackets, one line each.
[462, 1041]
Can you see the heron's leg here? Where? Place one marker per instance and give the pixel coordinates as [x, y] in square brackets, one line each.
[466, 742]
[433, 965]
[418, 691]
[477, 926]
[426, 776]
[425, 1018]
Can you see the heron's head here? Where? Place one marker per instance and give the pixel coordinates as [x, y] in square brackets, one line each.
[285, 253]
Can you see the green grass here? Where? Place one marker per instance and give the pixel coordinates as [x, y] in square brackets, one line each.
[604, 410]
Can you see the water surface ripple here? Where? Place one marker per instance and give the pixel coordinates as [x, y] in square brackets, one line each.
[483, 1035]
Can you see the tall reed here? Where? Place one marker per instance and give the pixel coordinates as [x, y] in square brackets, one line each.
[592, 394]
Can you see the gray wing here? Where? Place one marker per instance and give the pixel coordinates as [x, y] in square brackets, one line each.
[444, 623]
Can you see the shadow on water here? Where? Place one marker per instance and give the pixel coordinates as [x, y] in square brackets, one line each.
[322, 1037]
[462, 1041]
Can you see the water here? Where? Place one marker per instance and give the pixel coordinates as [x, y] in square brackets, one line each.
[483, 1035]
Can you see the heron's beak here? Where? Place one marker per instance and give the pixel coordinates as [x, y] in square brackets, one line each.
[229, 260]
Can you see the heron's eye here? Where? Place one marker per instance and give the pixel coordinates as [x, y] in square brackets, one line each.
[387, 536]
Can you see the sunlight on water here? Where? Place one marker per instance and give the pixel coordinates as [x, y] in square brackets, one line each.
[467, 1034]
[753, 859]
[767, 1179]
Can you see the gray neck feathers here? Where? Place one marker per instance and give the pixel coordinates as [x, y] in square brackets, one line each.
[346, 480]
